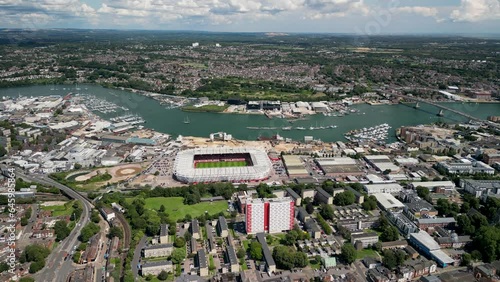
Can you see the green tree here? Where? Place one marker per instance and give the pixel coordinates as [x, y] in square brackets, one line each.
[95, 216]
[256, 250]
[115, 231]
[4, 267]
[291, 238]
[88, 231]
[27, 279]
[61, 230]
[162, 208]
[443, 207]
[400, 256]
[370, 203]
[77, 166]
[389, 234]
[348, 253]
[389, 260]
[326, 211]
[179, 242]
[178, 255]
[163, 275]
[76, 257]
[465, 225]
[344, 199]
[423, 192]
[36, 266]
[240, 253]
[466, 259]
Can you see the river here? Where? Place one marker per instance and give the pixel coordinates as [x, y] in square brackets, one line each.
[171, 121]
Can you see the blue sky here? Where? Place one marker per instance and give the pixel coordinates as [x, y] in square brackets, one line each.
[368, 17]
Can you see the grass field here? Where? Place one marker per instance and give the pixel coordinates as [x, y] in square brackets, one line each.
[176, 209]
[66, 209]
[221, 164]
[366, 253]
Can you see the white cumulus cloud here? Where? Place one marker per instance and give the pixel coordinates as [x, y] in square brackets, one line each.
[477, 10]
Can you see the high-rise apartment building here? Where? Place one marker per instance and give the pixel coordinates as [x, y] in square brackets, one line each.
[269, 215]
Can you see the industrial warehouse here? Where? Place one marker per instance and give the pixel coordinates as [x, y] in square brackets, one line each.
[222, 164]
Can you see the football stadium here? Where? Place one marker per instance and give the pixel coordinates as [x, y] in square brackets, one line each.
[229, 164]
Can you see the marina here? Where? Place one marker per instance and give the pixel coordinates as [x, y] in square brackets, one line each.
[375, 134]
[130, 118]
[203, 124]
[96, 104]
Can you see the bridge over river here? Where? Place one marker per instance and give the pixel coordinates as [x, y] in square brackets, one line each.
[444, 108]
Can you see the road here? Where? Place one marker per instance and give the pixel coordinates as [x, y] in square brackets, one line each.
[56, 268]
[137, 255]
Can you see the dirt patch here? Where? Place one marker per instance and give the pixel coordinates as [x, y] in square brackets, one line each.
[128, 171]
[86, 177]
[53, 203]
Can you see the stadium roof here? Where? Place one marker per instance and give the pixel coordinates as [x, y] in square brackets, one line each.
[185, 171]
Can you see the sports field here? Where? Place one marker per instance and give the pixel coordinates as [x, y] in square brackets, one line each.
[221, 164]
[175, 207]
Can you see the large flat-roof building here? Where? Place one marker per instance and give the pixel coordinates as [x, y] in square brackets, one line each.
[388, 202]
[294, 166]
[424, 242]
[432, 185]
[465, 166]
[340, 167]
[382, 163]
[481, 188]
[269, 215]
[391, 188]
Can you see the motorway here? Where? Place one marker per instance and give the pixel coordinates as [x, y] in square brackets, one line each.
[56, 268]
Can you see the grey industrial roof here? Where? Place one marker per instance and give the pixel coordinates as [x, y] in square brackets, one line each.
[261, 237]
[425, 239]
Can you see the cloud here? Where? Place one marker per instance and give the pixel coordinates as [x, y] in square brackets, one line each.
[418, 10]
[476, 10]
[320, 9]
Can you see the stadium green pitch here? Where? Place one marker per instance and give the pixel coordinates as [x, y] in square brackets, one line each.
[221, 164]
